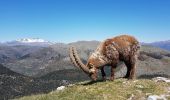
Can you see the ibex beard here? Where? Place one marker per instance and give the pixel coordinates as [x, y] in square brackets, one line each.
[110, 52]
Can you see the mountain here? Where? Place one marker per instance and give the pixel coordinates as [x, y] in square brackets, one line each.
[29, 42]
[38, 61]
[161, 44]
[13, 53]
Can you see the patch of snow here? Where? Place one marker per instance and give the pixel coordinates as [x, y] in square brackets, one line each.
[31, 40]
[60, 88]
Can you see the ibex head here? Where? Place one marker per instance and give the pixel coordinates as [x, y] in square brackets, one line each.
[89, 68]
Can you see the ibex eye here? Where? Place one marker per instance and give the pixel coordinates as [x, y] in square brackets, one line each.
[90, 67]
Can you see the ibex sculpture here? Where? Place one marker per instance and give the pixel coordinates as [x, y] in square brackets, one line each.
[121, 48]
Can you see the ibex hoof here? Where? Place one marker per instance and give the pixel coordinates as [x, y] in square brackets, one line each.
[104, 78]
[111, 79]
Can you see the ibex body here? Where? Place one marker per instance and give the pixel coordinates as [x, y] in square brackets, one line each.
[121, 48]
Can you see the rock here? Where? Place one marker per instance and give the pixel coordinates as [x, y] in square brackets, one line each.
[168, 89]
[60, 88]
[135, 81]
[65, 82]
[139, 86]
[163, 96]
[71, 84]
[161, 79]
[156, 97]
[131, 97]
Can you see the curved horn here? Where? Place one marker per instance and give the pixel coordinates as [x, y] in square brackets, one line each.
[76, 60]
[72, 57]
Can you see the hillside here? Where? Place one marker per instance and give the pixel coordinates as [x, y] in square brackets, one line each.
[70, 75]
[120, 89]
[14, 85]
[39, 61]
[36, 61]
[161, 44]
[11, 83]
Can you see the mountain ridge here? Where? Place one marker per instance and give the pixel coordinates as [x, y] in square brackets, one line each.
[29, 42]
[161, 44]
[41, 42]
[35, 60]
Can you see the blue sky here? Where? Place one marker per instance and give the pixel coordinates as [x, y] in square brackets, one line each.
[73, 20]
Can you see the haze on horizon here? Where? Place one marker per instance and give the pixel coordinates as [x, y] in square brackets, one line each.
[74, 20]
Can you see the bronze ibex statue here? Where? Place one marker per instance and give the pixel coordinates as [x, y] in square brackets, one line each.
[109, 52]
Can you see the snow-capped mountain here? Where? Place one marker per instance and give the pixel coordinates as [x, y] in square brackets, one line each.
[31, 40]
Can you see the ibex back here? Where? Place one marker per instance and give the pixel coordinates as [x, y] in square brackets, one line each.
[109, 52]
